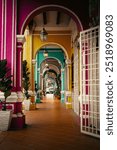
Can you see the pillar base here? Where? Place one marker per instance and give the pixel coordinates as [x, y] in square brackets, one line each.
[2, 96]
[68, 105]
[12, 98]
[68, 99]
[68, 96]
[14, 103]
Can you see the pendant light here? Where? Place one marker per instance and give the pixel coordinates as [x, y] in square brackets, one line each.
[43, 35]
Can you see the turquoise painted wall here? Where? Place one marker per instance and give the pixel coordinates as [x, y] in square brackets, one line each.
[57, 54]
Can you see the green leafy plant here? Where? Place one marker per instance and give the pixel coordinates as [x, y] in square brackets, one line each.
[26, 79]
[5, 80]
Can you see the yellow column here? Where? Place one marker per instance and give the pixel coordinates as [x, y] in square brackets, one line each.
[68, 64]
[33, 98]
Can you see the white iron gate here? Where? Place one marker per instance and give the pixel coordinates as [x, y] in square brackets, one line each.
[90, 96]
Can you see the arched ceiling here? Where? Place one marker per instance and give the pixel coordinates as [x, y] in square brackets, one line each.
[52, 21]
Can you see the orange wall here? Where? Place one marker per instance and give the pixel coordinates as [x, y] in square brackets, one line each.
[63, 40]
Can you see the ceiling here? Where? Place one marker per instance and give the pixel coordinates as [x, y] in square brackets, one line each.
[51, 20]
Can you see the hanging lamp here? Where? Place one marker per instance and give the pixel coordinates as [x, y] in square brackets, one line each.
[45, 53]
[43, 35]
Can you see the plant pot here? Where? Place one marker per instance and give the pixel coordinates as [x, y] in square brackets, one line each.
[5, 120]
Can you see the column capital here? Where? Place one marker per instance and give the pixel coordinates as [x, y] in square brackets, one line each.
[21, 39]
[68, 61]
[12, 98]
[34, 62]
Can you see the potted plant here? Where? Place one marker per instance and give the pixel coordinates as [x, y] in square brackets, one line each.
[5, 87]
[26, 84]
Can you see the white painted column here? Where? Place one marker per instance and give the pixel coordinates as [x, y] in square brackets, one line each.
[76, 102]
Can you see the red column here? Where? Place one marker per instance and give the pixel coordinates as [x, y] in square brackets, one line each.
[20, 42]
[18, 118]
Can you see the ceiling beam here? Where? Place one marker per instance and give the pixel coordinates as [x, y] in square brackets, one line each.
[44, 18]
[58, 17]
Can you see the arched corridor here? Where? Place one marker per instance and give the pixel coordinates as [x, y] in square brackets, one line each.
[51, 126]
[52, 51]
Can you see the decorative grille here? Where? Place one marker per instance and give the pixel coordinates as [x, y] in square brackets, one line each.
[89, 87]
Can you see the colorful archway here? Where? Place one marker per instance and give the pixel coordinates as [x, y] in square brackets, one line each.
[38, 10]
[39, 70]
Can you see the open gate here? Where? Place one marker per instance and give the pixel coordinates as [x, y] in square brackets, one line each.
[90, 92]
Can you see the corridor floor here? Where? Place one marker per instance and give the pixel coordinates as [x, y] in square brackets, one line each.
[50, 127]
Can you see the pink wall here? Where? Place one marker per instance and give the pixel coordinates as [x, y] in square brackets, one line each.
[2, 16]
[8, 33]
[9, 10]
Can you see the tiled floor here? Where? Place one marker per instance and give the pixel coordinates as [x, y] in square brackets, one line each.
[50, 127]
